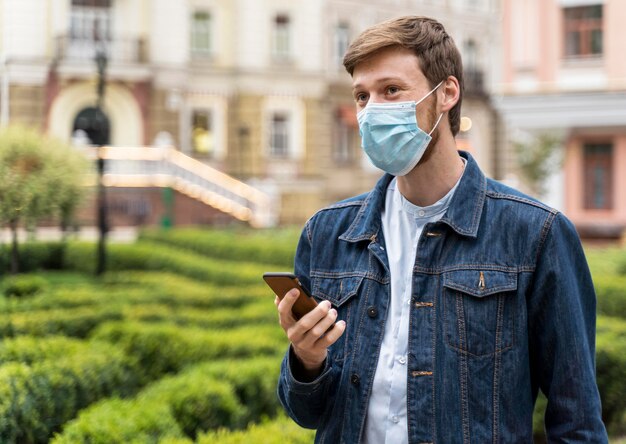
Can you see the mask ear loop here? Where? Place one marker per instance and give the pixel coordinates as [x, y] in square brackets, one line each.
[437, 123]
[426, 96]
[440, 115]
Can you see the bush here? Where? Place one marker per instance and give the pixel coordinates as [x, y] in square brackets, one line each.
[254, 381]
[35, 256]
[203, 397]
[156, 257]
[196, 402]
[611, 368]
[32, 349]
[165, 348]
[262, 312]
[611, 292]
[279, 431]
[23, 285]
[266, 247]
[120, 421]
[77, 322]
[36, 400]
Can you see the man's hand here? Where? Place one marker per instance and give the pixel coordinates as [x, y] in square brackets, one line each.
[309, 336]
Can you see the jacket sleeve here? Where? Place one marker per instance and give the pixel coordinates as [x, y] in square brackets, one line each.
[562, 323]
[305, 401]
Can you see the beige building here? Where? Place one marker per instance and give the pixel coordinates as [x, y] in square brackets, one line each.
[251, 88]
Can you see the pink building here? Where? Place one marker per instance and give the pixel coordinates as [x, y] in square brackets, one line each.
[564, 74]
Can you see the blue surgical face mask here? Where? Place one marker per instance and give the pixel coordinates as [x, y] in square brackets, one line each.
[391, 137]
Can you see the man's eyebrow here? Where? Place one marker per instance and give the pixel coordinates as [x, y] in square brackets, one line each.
[381, 80]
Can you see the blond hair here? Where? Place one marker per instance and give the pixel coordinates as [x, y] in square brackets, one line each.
[437, 54]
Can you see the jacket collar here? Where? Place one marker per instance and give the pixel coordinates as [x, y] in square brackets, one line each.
[463, 214]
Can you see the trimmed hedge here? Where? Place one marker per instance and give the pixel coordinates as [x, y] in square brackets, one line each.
[149, 288]
[266, 247]
[262, 312]
[206, 396]
[36, 400]
[78, 322]
[143, 255]
[157, 257]
[120, 421]
[32, 349]
[166, 348]
[611, 368]
[611, 293]
[23, 285]
[35, 256]
[279, 431]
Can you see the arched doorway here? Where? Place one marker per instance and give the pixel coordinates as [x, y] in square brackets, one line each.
[95, 125]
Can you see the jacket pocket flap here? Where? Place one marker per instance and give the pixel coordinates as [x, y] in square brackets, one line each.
[337, 289]
[480, 283]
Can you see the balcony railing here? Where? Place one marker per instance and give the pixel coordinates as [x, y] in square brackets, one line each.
[121, 50]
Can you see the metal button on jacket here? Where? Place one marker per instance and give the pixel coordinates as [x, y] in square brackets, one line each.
[372, 311]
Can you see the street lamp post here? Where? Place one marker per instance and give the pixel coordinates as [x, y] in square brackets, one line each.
[100, 128]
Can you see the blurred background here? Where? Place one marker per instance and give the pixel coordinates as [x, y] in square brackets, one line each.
[202, 134]
[247, 110]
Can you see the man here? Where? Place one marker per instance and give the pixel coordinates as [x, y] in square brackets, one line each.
[454, 298]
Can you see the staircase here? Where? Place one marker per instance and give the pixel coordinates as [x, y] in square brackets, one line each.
[168, 167]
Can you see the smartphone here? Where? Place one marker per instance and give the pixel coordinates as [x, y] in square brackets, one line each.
[281, 283]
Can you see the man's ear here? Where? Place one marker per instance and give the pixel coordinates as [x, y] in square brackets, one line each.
[451, 93]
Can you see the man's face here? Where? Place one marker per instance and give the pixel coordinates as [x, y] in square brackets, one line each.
[394, 75]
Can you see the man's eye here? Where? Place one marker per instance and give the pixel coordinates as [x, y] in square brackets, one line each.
[392, 90]
[361, 97]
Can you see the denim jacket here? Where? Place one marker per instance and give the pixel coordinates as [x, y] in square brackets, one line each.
[502, 305]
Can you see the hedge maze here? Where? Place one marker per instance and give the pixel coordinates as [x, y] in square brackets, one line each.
[179, 342]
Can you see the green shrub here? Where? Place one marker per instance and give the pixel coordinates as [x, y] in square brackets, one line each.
[203, 397]
[254, 381]
[157, 257]
[23, 285]
[621, 266]
[611, 293]
[611, 368]
[165, 348]
[120, 421]
[266, 247]
[35, 256]
[32, 349]
[77, 322]
[36, 400]
[196, 402]
[261, 312]
[279, 431]
[611, 260]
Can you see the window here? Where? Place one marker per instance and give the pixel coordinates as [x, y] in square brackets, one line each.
[598, 176]
[346, 127]
[279, 135]
[202, 137]
[470, 55]
[281, 36]
[583, 31]
[342, 41]
[342, 152]
[90, 20]
[201, 33]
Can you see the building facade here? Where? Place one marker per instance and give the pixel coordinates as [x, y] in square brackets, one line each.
[253, 88]
[565, 76]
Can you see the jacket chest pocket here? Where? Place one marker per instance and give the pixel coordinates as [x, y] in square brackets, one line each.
[478, 310]
[341, 291]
